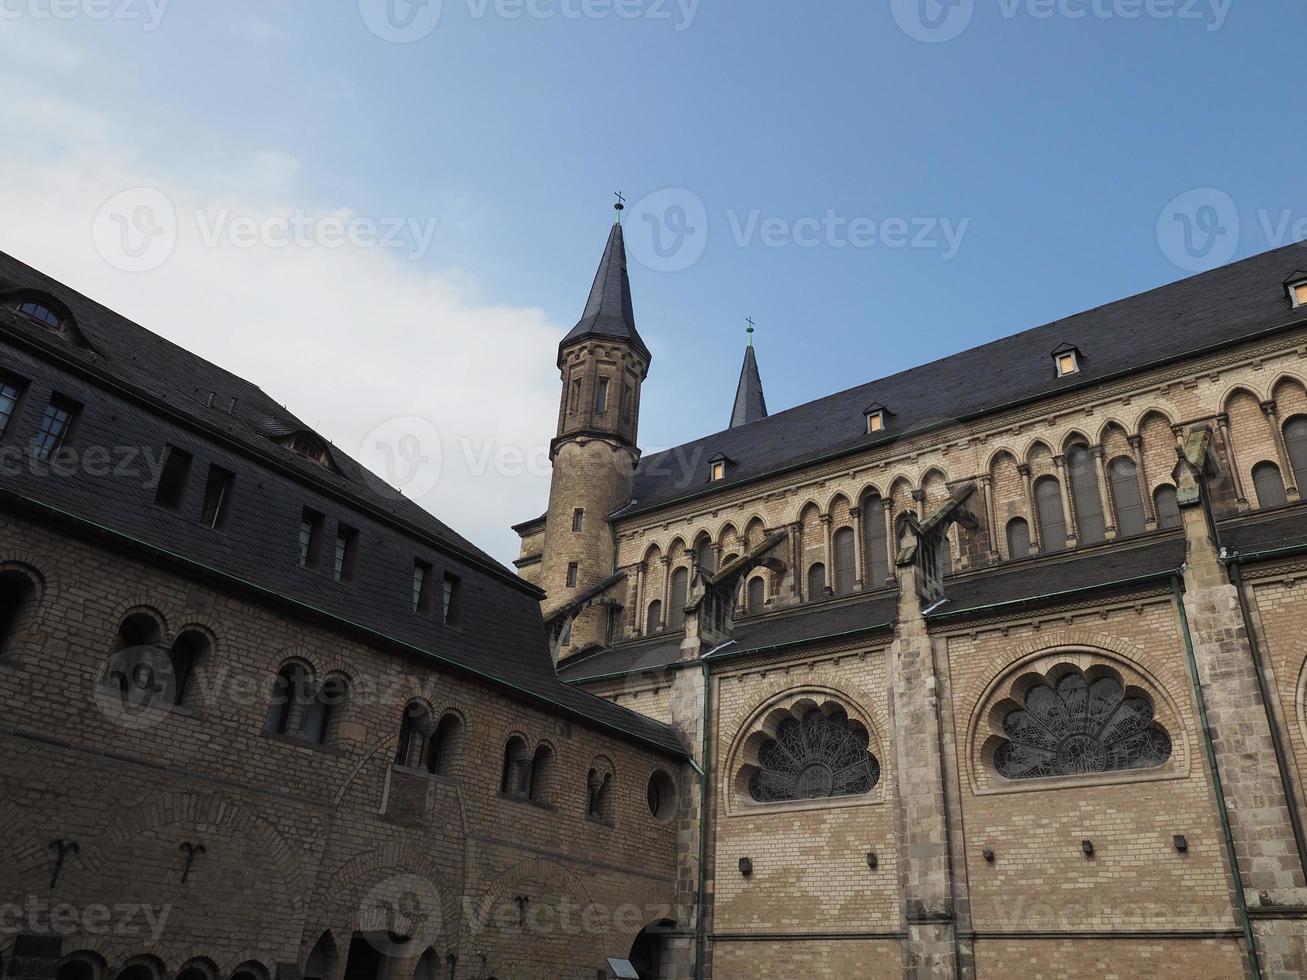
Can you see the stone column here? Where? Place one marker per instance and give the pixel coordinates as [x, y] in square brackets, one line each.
[925, 870]
[1105, 497]
[891, 546]
[991, 516]
[1068, 501]
[1145, 496]
[637, 627]
[1286, 466]
[1241, 497]
[826, 553]
[1032, 513]
[796, 561]
[692, 911]
[859, 549]
[1270, 873]
[667, 590]
[919, 498]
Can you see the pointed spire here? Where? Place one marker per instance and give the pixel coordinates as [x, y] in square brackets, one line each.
[750, 405]
[609, 311]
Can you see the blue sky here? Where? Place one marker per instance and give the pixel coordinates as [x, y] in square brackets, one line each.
[874, 191]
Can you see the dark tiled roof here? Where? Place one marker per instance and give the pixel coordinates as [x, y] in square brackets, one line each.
[750, 405]
[609, 311]
[1225, 305]
[1266, 533]
[140, 392]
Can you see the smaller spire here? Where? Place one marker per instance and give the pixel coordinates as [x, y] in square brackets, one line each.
[750, 405]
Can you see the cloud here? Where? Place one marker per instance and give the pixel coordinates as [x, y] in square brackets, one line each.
[256, 30]
[346, 337]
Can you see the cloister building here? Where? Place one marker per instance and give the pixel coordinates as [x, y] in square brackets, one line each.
[995, 667]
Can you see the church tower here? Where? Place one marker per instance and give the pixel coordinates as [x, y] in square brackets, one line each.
[603, 362]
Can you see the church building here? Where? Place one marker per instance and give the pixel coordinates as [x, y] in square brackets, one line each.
[994, 667]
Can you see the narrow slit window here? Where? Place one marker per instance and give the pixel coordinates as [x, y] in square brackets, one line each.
[347, 546]
[578, 520]
[601, 397]
[217, 498]
[173, 481]
[421, 587]
[576, 395]
[310, 538]
[573, 570]
[450, 610]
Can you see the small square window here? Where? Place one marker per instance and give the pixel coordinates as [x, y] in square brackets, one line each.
[449, 610]
[578, 520]
[217, 498]
[9, 392]
[1067, 363]
[718, 472]
[1300, 294]
[573, 570]
[876, 422]
[173, 481]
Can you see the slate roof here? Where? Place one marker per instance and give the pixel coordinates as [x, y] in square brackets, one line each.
[609, 311]
[1227, 305]
[750, 405]
[141, 392]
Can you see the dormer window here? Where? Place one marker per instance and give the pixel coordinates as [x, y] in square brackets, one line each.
[1066, 359]
[717, 468]
[307, 446]
[877, 417]
[41, 312]
[1296, 287]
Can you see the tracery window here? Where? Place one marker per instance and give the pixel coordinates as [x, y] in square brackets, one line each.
[1079, 727]
[818, 756]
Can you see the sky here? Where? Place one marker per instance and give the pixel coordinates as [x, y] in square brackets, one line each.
[387, 213]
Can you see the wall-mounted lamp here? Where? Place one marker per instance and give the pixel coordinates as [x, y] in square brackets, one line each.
[1088, 847]
[873, 862]
[746, 866]
[988, 855]
[1180, 843]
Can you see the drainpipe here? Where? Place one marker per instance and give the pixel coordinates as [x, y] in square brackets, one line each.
[1242, 905]
[700, 925]
[1277, 742]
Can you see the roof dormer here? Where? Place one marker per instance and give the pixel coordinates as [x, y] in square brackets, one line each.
[719, 466]
[877, 416]
[307, 445]
[47, 312]
[1296, 288]
[1067, 360]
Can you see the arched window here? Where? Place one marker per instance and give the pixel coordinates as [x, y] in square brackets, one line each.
[516, 777]
[1295, 441]
[322, 960]
[444, 747]
[661, 796]
[876, 549]
[1270, 486]
[680, 595]
[820, 755]
[1125, 495]
[324, 708]
[654, 621]
[1052, 519]
[42, 312]
[817, 581]
[1084, 491]
[542, 774]
[414, 737]
[1080, 727]
[846, 571]
[188, 650]
[1167, 506]
[145, 673]
[17, 594]
[599, 792]
[1018, 538]
[292, 692]
[703, 553]
[757, 595]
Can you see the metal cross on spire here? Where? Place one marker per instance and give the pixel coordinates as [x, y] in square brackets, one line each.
[749, 321]
[620, 206]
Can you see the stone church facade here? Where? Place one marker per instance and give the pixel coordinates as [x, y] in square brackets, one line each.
[991, 668]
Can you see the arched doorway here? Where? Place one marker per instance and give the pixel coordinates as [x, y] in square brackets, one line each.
[648, 951]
